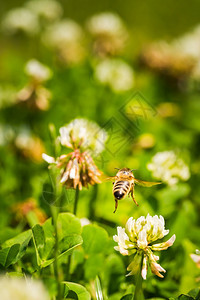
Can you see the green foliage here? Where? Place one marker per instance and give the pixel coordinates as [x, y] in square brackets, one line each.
[87, 263]
[127, 297]
[44, 240]
[80, 291]
[192, 295]
[95, 239]
[14, 249]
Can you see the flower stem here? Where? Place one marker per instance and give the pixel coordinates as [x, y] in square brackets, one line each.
[138, 295]
[74, 212]
[54, 211]
[76, 200]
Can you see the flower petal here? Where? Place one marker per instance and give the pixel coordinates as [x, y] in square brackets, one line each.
[195, 258]
[165, 245]
[144, 268]
[49, 159]
[156, 269]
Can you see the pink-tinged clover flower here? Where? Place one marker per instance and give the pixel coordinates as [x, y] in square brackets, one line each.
[77, 168]
[138, 238]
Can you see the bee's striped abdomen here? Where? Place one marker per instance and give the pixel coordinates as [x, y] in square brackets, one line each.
[120, 189]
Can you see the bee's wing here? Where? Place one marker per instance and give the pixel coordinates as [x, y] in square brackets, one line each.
[111, 178]
[145, 183]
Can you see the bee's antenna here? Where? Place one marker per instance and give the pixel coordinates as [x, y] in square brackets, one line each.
[133, 170]
[117, 168]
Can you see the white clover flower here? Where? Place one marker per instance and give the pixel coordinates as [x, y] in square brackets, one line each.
[168, 167]
[106, 23]
[37, 71]
[86, 134]
[109, 33]
[21, 19]
[18, 289]
[188, 44]
[115, 73]
[66, 37]
[138, 238]
[48, 9]
[63, 33]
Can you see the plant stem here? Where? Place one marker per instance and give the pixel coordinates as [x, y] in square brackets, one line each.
[55, 212]
[74, 212]
[138, 295]
[92, 204]
[76, 200]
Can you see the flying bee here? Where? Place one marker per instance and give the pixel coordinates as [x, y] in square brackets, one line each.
[124, 185]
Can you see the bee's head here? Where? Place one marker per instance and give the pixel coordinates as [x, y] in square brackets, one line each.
[125, 172]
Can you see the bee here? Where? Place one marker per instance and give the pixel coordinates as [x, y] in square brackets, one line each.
[124, 185]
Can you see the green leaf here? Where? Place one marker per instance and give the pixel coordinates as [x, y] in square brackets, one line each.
[93, 265]
[76, 242]
[19, 239]
[69, 242]
[22, 240]
[95, 239]
[68, 224]
[39, 242]
[195, 293]
[49, 238]
[7, 233]
[39, 239]
[69, 229]
[185, 297]
[80, 290]
[8, 255]
[127, 297]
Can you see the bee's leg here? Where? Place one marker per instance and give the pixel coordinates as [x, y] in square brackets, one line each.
[133, 197]
[116, 204]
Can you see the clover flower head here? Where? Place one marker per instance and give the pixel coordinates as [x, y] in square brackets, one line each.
[109, 33]
[37, 71]
[50, 10]
[188, 44]
[63, 33]
[170, 58]
[115, 73]
[106, 23]
[138, 238]
[196, 258]
[84, 134]
[77, 168]
[21, 19]
[66, 37]
[18, 289]
[168, 167]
